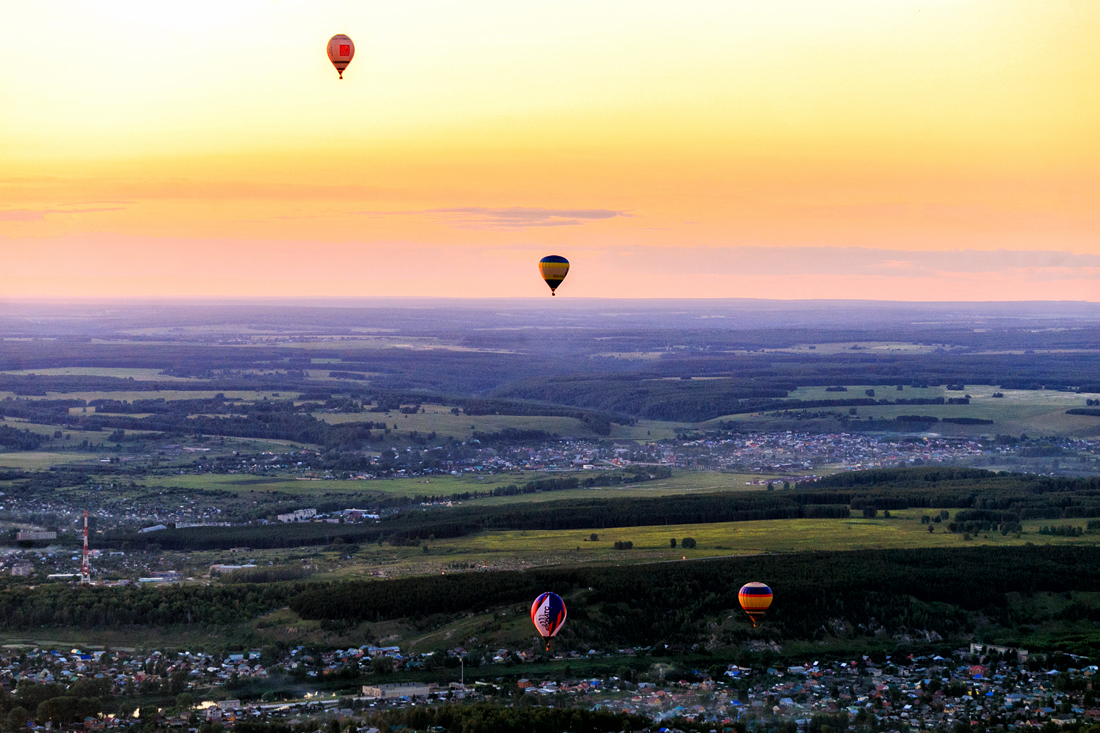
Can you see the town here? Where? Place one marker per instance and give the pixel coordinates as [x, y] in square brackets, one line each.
[783, 456]
[297, 687]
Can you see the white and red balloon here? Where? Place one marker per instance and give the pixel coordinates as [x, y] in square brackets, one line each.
[340, 52]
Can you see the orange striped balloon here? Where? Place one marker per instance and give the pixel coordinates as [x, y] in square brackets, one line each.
[755, 598]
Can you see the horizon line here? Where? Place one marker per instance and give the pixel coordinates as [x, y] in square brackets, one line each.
[201, 299]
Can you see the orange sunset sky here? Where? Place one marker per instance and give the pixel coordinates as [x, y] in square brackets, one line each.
[884, 149]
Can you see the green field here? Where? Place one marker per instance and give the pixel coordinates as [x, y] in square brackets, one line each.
[902, 530]
[166, 394]
[92, 436]
[322, 375]
[683, 482]
[397, 487]
[516, 550]
[137, 374]
[440, 420]
[42, 460]
[1035, 412]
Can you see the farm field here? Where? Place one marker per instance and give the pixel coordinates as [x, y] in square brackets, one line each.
[322, 375]
[875, 347]
[517, 550]
[683, 482]
[397, 487]
[94, 437]
[440, 420]
[412, 343]
[1035, 412]
[42, 460]
[980, 392]
[136, 373]
[166, 394]
[903, 530]
[70, 451]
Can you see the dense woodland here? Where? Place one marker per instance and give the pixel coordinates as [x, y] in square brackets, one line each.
[901, 591]
[946, 592]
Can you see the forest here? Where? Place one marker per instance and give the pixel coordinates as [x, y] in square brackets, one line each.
[932, 590]
[945, 591]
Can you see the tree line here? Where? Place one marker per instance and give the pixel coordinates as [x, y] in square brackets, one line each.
[445, 522]
[943, 590]
[1008, 498]
[817, 596]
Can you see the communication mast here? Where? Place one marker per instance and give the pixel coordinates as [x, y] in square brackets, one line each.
[85, 568]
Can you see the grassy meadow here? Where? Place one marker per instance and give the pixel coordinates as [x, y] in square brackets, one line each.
[440, 420]
[244, 483]
[136, 373]
[903, 530]
[166, 394]
[1035, 412]
[517, 550]
[42, 460]
[682, 482]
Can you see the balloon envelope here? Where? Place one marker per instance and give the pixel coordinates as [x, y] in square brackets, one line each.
[548, 614]
[340, 52]
[755, 598]
[553, 269]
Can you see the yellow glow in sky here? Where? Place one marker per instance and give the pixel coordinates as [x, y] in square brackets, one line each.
[899, 150]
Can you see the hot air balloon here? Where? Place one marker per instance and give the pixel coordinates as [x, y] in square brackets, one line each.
[548, 615]
[755, 599]
[340, 52]
[553, 269]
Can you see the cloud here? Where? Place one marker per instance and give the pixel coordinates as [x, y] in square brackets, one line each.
[858, 261]
[509, 218]
[40, 214]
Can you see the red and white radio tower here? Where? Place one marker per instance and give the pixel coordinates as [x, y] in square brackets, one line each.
[85, 568]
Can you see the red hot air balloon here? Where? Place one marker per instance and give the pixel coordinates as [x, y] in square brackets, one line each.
[340, 52]
[755, 598]
[548, 615]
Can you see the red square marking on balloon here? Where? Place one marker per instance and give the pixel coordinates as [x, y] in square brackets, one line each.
[345, 50]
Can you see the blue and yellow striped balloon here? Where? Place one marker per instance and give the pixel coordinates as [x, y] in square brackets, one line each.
[755, 598]
[554, 269]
